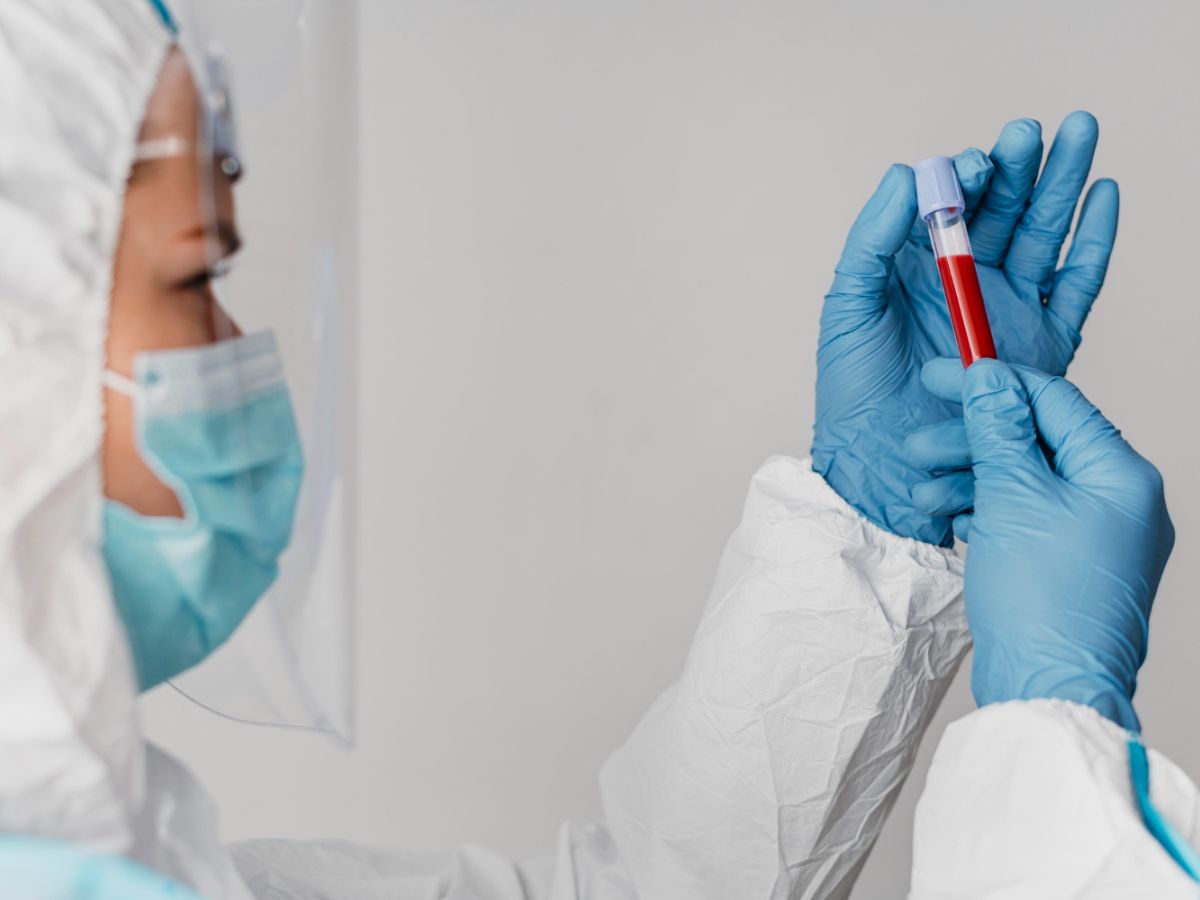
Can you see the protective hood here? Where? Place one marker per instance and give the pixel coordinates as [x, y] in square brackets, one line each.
[75, 77]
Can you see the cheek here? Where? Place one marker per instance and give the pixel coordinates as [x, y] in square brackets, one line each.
[142, 317]
[146, 317]
[147, 311]
[127, 478]
[120, 453]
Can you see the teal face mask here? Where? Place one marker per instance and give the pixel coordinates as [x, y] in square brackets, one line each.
[215, 424]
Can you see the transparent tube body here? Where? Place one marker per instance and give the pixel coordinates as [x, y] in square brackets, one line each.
[960, 283]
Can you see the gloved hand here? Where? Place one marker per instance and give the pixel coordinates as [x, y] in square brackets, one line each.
[35, 869]
[1066, 554]
[886, 316]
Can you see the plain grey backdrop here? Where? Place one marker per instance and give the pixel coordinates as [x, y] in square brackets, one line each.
[595, 239]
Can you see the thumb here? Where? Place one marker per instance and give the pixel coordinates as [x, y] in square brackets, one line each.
[999, 420]
[1072, 428]
[878, 234]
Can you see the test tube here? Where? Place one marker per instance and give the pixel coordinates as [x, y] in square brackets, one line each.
[940, 203]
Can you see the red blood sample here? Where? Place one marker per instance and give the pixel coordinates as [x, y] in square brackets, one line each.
[960, 281]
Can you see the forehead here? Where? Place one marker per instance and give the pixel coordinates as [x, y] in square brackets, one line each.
[174, 107]
[182, 202]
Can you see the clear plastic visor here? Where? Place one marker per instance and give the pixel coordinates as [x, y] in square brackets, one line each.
[271, 160]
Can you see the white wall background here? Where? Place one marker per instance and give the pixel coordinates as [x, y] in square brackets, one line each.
[595, 237]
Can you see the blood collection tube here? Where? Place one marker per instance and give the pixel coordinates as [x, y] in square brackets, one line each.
[940, 204]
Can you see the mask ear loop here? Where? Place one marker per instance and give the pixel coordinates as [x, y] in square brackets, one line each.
[115, 381]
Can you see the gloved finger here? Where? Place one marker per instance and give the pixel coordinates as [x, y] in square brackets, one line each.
[946, 495]
[962, 527]
[1078, 282]
[974, 170]
[999, 419]
[939, 447]
[1038, 240]
[861, 277]
[943, 377]
[1073, 429]
[1017, 157]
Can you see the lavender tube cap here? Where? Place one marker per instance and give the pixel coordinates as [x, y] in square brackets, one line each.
[937, 186]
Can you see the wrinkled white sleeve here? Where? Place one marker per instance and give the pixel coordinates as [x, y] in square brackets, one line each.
[1034, 800]
[767, 771]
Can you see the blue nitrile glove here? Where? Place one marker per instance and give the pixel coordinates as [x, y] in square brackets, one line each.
[1065, 555]
[886, 316]
[36, 869]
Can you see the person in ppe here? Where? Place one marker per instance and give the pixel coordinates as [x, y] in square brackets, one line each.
[1069, 535]
[150, 463]
[151, 467]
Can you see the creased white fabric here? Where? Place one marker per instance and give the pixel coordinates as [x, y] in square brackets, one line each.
[74, 79]
[177, 831]
[1034, 800]
[768, 769]
[584, 866]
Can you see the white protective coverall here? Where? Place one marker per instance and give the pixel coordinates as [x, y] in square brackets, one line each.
[766, 771]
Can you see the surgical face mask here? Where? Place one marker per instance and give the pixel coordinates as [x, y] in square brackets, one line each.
[215, 424]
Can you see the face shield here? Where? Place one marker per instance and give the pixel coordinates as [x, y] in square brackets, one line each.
[274, 157]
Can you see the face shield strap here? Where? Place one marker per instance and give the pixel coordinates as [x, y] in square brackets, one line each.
[160, 7]
[176, 147]
[162, 148]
